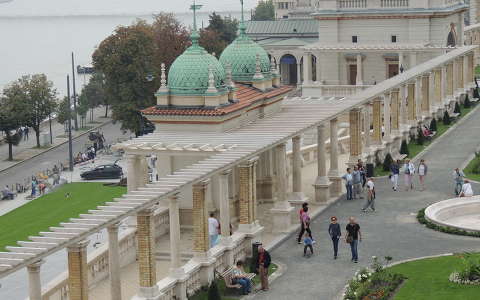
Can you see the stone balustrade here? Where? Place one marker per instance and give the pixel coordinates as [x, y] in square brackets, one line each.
[317, 89]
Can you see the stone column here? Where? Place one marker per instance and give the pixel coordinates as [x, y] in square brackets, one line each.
[282, 208]
[471, 67]
[146, 255]
[34, 283]
[386, 117]
[333, 173]
[359, 79]
[455, 76]
[367, 122]
[395, 105]
[400, 62]
[114, 263]
[322, 184]
[377, 121]
[78, 271]
[411, 103]
[297, 195]
[449, 78]
[225, 207]
[264, 180]
[438, 88]
[132, 172]
[403, 104]
[299, 73]
[307, 66]
[355, 118]
[318, 65]
[443, 90]
[142, 175]
[175, 236]
[460, 73]
[465, 68]
[425, 105]
[418, 98]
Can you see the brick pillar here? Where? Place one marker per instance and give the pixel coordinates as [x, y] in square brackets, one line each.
[333, 173]
[77, 271]
[377, 121]
[247, 193]
[387, 117]
[146, 255]
[412, 115]
[355, 118]
[418, 98]
[438, 88]
[460, 73]
[34, 283]
[449, 79]
[425, 95]
[395, 106]
[114, 263]
[200, 219]
[403, 104]
[465, 71]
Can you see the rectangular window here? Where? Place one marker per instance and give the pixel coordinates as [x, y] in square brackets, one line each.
[354, 39]
[394, 38]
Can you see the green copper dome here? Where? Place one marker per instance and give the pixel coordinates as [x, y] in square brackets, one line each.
[242, 56]
[188, 75]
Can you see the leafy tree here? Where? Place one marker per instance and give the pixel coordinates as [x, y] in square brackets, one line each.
[171, 38]
[475, 93]
[126, 58]
[404, 148]
[433, 125]
[95, 93]
[82, 108]
[446, 118]
[226, 27]
[457, 108]
[63, 112]
[10, 121]
[37, 99]
[209, 39]
[264, 11]
[387, 162]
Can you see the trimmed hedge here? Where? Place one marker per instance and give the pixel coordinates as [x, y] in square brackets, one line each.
[445, 229]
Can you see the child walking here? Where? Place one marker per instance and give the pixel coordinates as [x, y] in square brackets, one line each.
[308, 242]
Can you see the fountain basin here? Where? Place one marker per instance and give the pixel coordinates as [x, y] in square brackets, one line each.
[461, 213]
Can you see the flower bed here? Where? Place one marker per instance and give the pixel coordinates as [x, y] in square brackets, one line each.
[373, 283]
[422, 220]
[469, 272]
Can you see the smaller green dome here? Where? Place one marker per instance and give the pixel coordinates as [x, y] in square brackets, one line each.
[242, 56]
[188, 75]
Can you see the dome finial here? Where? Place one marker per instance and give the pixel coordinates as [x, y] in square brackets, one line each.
[242, 26]
[258, 71]
[163, 80]
[211, 81]
[228, 70]
[195, 36]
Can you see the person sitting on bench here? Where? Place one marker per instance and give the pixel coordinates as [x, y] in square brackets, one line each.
[7, 193]
[239, 277]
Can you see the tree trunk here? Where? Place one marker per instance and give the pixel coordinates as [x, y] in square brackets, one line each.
[37, 135]
[106, 110]
[10, 151]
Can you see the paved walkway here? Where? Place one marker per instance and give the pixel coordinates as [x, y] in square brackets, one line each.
[392, 230]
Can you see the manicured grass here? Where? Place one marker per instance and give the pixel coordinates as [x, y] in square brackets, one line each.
[203, 294]
[477, 70]
[428, 280]
[469, 169]
[53, 208]
[378, 171]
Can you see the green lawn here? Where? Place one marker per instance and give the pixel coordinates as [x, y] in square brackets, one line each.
[428, 280]
[469, 169]
[51, 209]
[203, 294]
[477, 70]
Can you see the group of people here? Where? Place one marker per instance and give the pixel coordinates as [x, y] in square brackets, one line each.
[90, 154]
[463, 187]
[23, 131]
[355, 183]
[262, 263]
[409, 170]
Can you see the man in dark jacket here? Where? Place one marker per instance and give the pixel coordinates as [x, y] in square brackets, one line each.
[263, 262]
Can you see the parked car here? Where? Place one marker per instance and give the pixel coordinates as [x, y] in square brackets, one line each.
[146, 127]
[110, 171]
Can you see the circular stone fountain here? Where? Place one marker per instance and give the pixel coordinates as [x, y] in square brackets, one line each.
[461, 213]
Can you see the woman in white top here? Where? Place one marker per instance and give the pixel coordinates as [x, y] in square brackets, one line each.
[422, 172]
[409, 169]
[467, 190]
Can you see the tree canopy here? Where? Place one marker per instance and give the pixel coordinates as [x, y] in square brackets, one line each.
[219, 33]
[11, 118]
[264, 11]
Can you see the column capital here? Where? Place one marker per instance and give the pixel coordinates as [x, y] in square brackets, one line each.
[249, 163]
[201, 184]
[78, 247]
[297, 138]
[113, 228]
[334, 120]
[174, 197]
[146, 212]
[35, 267]
[226, 172]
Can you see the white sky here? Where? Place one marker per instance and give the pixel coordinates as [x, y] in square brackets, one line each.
[112, 7]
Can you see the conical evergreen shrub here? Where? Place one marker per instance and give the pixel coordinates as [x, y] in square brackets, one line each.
[404, 148]
[420, 137]
[475, 93]
[213, 292]
[433, 125]
[446, 118]
[467, 103]
[387, 162]
[457, 108]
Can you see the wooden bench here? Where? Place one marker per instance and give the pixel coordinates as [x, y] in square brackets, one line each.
[430, 136]
[227, 277]
[454, 116]
[400, 157]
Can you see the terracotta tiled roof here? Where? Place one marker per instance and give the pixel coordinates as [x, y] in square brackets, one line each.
[246, 96]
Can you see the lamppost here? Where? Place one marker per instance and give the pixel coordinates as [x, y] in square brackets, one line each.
[69, 115]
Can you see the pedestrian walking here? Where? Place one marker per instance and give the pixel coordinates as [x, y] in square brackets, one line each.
[335, 234]
[308, 244]
[357, 183]
[459, 176]
[34, 187]
[306, 222]
[263, 262]
[348, 177]
[213, 227]
[302, 227]
[422, 173]
[467, 190]
[26, 132]
[395, 170]
[361, 168]
[409, 170]
[353, 237]
[370, 196]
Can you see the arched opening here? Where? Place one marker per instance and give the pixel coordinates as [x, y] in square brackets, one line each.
[288, 69]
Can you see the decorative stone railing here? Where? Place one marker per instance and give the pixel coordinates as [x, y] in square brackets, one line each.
[381, 4]
[316, 89]
[394, 3]
[352, 3]
[98, 259]
[472, 37]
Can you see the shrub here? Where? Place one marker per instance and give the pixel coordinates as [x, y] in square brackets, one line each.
[475, 93]
[420, 137]
[467, 103]
[404, 148]
[213, 293]
[445, 229]
[446, 118]
[433, 125]
[387, 162]
[476, 163]
[457, 108]
[470, 270]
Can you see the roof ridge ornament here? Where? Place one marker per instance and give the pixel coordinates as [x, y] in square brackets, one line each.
[242, 27]
[273, 66]
[228, 69]
[258, 71]
[211, 81]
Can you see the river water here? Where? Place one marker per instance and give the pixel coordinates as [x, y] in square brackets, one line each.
[43, 44]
